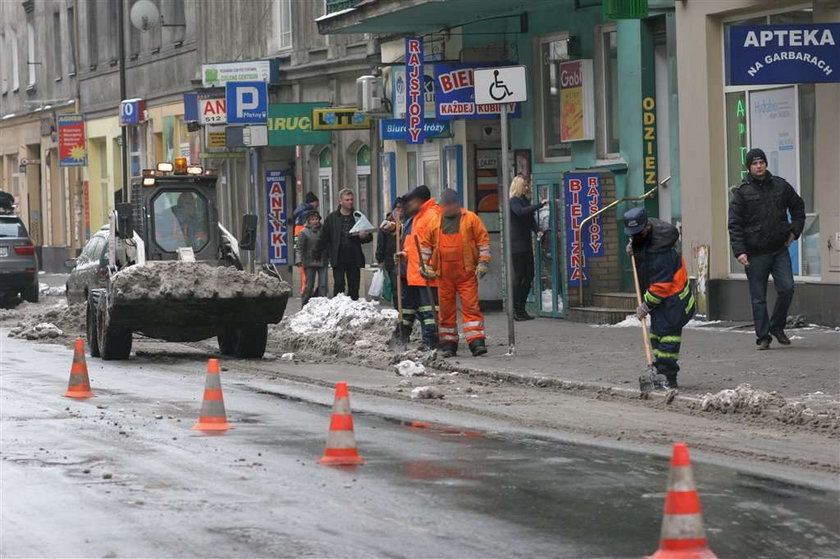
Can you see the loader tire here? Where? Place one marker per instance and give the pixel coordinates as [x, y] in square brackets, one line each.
[114, 343]
[251, 341]
[91, 329]
[32, 292]
[227, 340]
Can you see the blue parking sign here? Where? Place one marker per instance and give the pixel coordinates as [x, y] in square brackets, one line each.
[247, 102]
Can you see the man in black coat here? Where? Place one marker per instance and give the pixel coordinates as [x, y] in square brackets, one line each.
[386, 244]
[760, 234]
[345, 250]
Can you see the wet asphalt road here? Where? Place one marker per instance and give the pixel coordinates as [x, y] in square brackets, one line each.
[121, 475]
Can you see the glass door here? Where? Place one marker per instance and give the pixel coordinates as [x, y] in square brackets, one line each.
[549, 290]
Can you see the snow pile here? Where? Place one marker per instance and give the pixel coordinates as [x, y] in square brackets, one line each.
[426, 393]
[67, 320]
[409, 368]
[630, 322]
[742, 399]
[334, 327]
[40, 331]
[183, 280]
[57, 291]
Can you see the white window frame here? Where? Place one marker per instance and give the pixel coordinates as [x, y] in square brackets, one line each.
[601, 94]
[540, 130]
[282, 39]
[31, 55]
[15, 61]
[748, 89]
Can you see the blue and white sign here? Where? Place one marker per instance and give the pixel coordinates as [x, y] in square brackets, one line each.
[278, 233]
[247, 102]
[455, 94]
[131, 111]
[783, 54]
[397, 129]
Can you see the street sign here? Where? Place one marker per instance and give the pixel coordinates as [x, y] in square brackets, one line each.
[246, 136]
[415, 78]
[506, 84]
[247, 102]
[212, 111]
[131, 111]
[72, 146]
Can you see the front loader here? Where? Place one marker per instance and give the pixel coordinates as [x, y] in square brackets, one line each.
[175, 272]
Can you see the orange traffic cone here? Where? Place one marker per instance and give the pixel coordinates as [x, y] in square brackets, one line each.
[213, 416]
[79, 385]
[682, 534]
[341, 441]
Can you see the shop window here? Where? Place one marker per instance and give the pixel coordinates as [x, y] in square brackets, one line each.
[282, 25]
[552, 50]
[608, 142]
[781, 121]
[325, 179]
[363, 193]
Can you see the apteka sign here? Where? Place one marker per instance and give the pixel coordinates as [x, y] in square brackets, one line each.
[414, 112]
[783, 54]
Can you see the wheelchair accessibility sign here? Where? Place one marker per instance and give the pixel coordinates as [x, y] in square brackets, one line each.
[506, 84]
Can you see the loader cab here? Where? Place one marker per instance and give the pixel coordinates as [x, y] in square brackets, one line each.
[175, 209]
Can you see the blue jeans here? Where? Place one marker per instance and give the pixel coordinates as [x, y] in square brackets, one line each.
[761, 267]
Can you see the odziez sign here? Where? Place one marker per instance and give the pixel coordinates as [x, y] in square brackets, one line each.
[290, 124]
[783, 54]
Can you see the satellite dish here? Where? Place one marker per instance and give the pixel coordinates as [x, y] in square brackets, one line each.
[144, 15]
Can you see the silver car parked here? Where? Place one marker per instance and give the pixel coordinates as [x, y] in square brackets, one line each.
[18, 261]
[90, 269]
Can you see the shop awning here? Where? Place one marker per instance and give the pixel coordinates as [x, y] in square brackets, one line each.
[417, 16]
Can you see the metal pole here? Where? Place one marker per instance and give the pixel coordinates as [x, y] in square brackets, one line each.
[121, 35]
[506, 247]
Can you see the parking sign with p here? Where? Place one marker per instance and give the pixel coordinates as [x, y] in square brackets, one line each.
[247, 102]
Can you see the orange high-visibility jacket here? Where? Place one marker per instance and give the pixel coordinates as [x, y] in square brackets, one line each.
[474, 237]
[426, 214]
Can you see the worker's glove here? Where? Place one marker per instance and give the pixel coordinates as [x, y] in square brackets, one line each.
[642, 311]
[629, 248]
[388, 226]
[481, 270]
[427, 272]
[398, 256]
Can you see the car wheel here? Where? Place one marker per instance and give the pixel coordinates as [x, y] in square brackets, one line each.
[32, 293]
[251, 341]
[227, 340]
[91, 329]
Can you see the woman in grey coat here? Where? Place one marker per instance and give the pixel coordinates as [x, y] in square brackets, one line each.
[307, 257]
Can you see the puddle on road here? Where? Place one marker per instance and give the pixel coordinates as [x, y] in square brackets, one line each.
[606, 501]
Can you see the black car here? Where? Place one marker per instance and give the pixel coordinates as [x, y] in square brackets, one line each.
[18, 260]
[90, 269]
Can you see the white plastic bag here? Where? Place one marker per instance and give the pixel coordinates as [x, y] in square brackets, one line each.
[376, 284]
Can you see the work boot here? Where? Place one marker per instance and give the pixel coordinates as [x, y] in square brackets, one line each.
[478, 347]
[764, 343]
[448, 350]
[671, 381]
[781, 337]
[521, 316]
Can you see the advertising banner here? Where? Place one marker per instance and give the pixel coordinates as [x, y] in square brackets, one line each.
[455, 94]
[398, 87]
[290, 124]
[340, 118]
[414, 100]
[278, 247]
[72, 147]
[217, 75]
[583, 198]
[577, 101]
[396, 129]
[783, 54]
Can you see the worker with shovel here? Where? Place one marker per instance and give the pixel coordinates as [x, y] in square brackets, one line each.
[667, 297]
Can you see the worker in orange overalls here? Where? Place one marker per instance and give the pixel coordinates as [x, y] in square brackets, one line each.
[419, 295]
[456, 252]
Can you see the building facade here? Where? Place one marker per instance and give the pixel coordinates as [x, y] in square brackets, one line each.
[795, 121]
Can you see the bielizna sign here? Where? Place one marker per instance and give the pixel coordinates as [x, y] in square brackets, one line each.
[414, 114]
[583, 198]
[783, 54]
[278, 249]
[455, 94]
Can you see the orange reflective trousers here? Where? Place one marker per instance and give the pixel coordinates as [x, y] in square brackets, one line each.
[453, 279]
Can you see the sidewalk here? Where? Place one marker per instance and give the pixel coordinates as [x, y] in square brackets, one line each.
[713, 357]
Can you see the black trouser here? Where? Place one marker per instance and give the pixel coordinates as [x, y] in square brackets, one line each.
[352, 272]
[310, 290]
[417, 306]
[392, 275]
[761, 267]
[523, 279]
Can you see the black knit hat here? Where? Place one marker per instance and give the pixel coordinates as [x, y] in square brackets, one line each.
[399, 201]
[310, 197]
[753, 154]
[422, 192]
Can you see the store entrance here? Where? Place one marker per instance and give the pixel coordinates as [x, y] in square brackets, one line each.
[549, 293]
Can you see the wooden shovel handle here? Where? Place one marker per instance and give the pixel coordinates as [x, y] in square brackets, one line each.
[648, 352]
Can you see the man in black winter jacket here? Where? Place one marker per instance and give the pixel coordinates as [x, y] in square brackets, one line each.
[344, 249]
[760, 234]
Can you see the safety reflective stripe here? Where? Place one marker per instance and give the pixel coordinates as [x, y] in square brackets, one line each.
[473, 334]
[425, 309]
[449, 337]
[442, 329]
[474, 323]
[684, 293]
[670, 339]
[654, 336]
[651, 298]
[408, 311]
[429, 322]
[690, 304]
[665, 354]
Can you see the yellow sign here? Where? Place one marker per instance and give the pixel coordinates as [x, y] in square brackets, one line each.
[576, 101]
[339, 118]
[215, 137]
